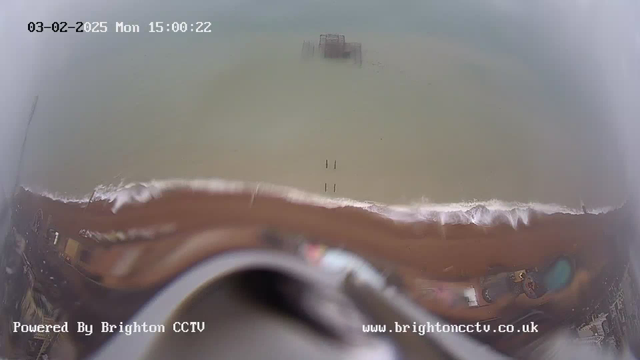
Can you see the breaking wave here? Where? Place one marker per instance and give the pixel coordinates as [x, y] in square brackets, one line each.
[482, 213]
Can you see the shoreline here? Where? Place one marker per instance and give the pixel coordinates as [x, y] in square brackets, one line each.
[116, 261]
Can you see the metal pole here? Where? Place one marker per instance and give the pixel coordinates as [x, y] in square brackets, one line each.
[5, 205]
[24, 143]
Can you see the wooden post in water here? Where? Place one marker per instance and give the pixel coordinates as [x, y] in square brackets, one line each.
[90, 199]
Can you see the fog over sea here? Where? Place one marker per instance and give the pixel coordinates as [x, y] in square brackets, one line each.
[440, 111]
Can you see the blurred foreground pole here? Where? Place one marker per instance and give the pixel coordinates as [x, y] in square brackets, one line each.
[24, 143]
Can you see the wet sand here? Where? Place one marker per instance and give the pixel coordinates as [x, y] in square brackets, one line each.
[451, 252]
[470, 248]
[191, 225]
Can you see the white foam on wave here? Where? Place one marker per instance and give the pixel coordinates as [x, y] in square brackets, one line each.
[482, 213]
[130, 234]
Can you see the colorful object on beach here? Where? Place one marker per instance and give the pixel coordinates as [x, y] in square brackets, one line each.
[559, 275]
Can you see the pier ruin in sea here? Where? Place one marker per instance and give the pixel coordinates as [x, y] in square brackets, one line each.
[333, 46]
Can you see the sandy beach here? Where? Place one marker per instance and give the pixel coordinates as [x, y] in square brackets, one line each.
[192, 225]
